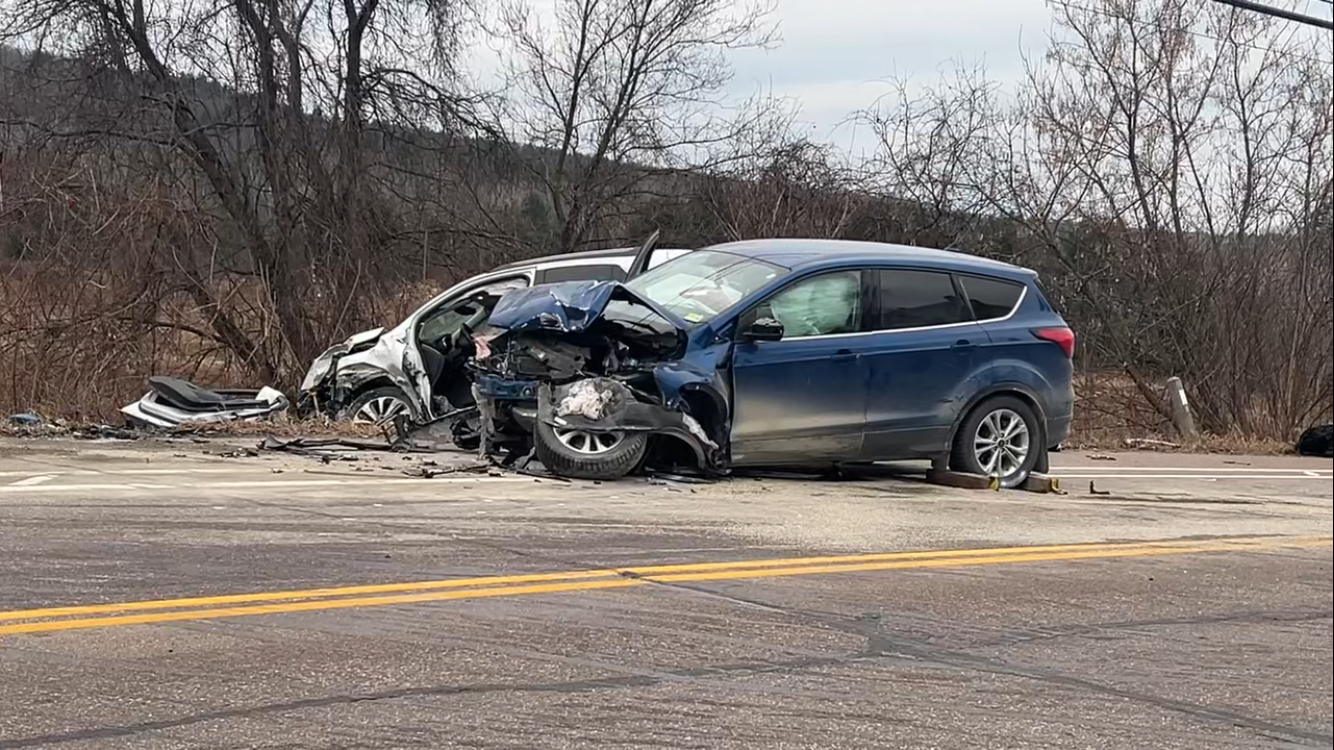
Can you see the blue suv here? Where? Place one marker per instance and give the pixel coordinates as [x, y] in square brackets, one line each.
[782, 353]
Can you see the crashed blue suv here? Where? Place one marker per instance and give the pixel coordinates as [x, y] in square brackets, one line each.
[781, 353]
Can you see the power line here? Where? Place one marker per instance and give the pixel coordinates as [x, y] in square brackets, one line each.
[1287, 15]
[1159, 25]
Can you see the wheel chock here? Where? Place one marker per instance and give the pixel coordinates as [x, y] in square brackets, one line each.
[961, 480]
[1044, 483]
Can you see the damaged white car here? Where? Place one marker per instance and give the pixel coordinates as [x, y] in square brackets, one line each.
[416, 369]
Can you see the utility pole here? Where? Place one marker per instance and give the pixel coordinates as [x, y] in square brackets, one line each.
[1289, 15]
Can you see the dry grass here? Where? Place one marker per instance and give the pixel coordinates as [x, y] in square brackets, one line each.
[1112, 414]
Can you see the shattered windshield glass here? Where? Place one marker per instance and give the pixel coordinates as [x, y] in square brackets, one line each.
[699, 285]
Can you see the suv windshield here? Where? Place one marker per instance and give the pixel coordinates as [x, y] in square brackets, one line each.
[699, 285]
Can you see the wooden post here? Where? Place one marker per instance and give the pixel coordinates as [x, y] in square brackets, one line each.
[1181, 416]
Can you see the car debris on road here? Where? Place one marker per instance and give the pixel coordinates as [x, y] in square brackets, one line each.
[172, 402]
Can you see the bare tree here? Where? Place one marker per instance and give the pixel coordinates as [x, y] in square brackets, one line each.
[1163, 166]
[615, 94]
[270, 104]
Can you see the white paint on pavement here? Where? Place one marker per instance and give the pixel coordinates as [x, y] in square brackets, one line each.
[30, 481]
[258, 485]
[1212, 477]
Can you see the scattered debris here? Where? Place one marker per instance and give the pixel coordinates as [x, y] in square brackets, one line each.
[238, 453]
[1095, 491]
[26, 419]
[325, 449]
[1100, 457]
[431, 472]
[107, 432]
[1238, 463]
[1151, 443]
[679, 478]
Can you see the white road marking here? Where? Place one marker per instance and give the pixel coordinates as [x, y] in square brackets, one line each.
[1214, 477]
[30, 481]
[133, 472]
[291, 483]
[1212, 470]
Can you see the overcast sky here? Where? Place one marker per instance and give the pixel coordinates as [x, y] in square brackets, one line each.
[835, 55]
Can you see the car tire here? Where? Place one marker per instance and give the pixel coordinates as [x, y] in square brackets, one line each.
[991, 438]
[377, 401]
[562, 456]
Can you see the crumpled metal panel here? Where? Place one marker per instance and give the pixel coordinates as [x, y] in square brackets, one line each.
[567, 307]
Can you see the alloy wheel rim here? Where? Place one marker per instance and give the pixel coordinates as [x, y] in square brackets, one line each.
[588, 443]
[1002, 443]
[380, 410]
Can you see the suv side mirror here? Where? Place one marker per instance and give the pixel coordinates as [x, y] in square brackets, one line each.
[764, 329]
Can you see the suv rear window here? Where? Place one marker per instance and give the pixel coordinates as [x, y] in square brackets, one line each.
[918, 299]
[991, 298]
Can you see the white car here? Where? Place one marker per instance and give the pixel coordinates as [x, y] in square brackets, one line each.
[416, 367]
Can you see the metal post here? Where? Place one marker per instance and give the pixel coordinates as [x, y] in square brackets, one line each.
[1181, 416]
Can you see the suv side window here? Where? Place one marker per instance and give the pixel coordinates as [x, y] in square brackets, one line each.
[919, 299]
[991, 298]
[583, 273]
[830, 303]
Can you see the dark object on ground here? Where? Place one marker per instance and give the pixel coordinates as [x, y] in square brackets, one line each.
[107, 432]
[26, 419]
[1317, 441]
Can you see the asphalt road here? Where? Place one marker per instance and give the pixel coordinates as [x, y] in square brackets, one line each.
[164, 596]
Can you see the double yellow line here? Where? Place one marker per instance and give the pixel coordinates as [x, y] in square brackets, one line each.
[50, 619]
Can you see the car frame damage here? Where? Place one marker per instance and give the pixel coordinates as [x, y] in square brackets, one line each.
[594, 381]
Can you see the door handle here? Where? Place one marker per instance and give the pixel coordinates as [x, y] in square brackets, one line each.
[964, 346]
[844, 355]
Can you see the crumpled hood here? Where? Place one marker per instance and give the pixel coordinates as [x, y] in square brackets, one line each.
[569, 307]
[365, 337]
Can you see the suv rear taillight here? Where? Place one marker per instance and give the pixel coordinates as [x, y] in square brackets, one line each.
[1062, 337]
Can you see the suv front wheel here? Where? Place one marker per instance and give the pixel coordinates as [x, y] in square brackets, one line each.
[1000, 438]
[583, 454]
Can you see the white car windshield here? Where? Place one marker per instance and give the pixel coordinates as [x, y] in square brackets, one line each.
[699, 285]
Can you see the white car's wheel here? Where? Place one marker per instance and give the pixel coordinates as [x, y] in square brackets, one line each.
[377, 406]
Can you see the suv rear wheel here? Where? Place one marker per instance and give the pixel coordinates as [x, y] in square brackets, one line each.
[999, 438]
[583, 454]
